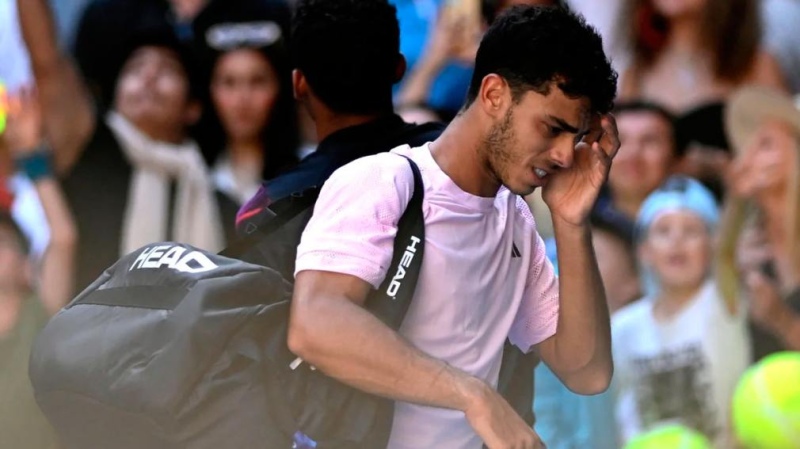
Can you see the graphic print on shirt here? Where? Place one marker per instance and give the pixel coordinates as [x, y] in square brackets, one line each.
[675, 386]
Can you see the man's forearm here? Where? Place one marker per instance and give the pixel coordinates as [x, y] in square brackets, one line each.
[582, 344]
[348, 343]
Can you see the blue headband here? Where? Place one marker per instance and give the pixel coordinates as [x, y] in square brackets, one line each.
[678, 193]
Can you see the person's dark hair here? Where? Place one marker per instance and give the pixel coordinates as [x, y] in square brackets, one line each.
[8, 222]
[633, 106]
[348, 51]
[490, 9]
[534, 47]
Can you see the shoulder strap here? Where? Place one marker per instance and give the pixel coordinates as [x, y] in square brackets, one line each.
[390, 302]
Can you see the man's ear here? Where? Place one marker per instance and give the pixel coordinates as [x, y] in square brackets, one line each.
[299, 85]
[400, 69]
[193, 112]
[494, 96]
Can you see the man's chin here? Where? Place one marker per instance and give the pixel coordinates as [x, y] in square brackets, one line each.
[522, 190]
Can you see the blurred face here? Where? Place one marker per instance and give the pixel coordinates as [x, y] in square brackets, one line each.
[244, 89]
[678, 249]
[12, 259]
[645, 156]
[768, 161]
[153, 93]
[536, 138]
[679, 8]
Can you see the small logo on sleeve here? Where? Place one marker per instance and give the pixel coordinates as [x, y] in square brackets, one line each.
[515, 251]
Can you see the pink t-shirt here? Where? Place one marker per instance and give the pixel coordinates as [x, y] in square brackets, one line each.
[484, 278]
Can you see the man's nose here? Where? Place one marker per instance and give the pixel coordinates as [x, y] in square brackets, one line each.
[563, 155]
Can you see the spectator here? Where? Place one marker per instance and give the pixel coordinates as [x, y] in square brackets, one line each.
[107, 26]
[252, 97]
[683, 57]
[764, 126]
[125, 163]
[647, 157]
[30, 292]
[678, 352]
[348, 93]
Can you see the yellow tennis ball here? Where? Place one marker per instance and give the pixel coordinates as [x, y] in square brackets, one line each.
[766, 404]
[670, 437]
[3, 107]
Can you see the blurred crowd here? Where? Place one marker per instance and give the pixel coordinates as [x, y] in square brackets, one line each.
[125, 122]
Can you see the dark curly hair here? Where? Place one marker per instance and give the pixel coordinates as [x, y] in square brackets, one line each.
[532, 47]
[348, 51]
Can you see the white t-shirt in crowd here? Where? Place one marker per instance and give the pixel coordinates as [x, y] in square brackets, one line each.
[484, 277]
[684, 370]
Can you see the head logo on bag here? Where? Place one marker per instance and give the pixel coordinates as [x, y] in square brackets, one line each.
[172, 256]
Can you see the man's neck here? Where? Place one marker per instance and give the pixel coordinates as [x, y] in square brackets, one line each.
[327, 123]
[457, 152]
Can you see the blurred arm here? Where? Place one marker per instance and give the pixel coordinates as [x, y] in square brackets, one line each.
[24, 138]
[68, 114]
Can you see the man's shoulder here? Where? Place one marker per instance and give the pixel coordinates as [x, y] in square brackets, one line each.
[383, 168]
[523, 210]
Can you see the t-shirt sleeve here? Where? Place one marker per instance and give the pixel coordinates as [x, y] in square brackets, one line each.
[355, 219]
[537, 317]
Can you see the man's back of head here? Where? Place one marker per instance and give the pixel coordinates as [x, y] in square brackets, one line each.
[349, 53]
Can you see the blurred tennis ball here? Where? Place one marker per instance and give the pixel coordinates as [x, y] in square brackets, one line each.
[4, 105]
[766, 404]
[670, 437]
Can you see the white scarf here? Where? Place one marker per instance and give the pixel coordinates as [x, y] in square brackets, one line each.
[196, 218]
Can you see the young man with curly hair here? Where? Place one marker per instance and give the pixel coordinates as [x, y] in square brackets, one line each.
[535, 116]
